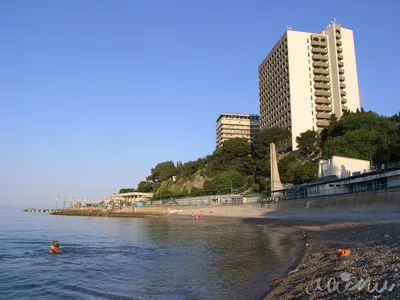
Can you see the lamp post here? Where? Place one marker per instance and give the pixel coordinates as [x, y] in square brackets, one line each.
[56, 201]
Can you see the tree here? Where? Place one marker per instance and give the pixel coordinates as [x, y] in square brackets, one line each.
[305, 172]
[308, 145]
[280, 136]
[144, 186]
[229, 179]
[123, 191]
[163, 171]
[287, 167]
[209, 185]
[363, 135]
[234, 153]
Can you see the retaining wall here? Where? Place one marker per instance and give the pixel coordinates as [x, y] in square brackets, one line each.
[378, 201]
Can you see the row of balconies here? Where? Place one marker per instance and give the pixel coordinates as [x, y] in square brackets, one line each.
[320, 57]
[276, 66]
[234, 132]
[322, 100]
[322, 93]
[321, 71]
[322, 78]
[315, 50]
[276, 98]
[322, 86]
[323, 116]
[323, 123]
[319, 44]
[275, 85]
[320, 64]
[323, 108]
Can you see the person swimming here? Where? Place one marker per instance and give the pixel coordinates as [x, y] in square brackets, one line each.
[55, 247]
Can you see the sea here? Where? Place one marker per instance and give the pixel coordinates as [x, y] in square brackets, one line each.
[136, 258]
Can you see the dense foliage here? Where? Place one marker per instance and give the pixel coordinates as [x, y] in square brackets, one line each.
[239, 165]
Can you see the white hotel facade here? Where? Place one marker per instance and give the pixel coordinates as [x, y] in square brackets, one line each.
[306, 78]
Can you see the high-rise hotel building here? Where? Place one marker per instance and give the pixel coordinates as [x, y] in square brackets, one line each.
[307, 77]
[232, 125]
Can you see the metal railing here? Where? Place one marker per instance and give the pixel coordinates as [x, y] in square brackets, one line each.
[339, 191]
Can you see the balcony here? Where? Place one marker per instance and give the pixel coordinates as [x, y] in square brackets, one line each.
[341, 78]
[340, 57]
[321, 79]
[322, 123]
[323, 116]
[343, 93]
[338, 35]
[323, 108]
[342, 85]
[344, 108]
[338, 43]
[322, 86]
[320, 57]
[319, 43]
[341, 71]
[320, 64]
[321, 71]
[340, 64]
[339, 49]
[320, 100]
[320, 93]
[344, 100]
[319, 50]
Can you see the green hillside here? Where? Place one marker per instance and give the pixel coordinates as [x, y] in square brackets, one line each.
[239, 166]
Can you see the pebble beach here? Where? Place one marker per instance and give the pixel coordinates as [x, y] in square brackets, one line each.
[370, 272]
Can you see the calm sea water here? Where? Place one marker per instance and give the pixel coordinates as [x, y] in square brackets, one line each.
[135, 258]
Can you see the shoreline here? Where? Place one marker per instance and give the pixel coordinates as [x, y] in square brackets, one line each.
[373, 239]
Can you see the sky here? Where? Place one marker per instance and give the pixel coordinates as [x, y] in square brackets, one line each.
[95, 93]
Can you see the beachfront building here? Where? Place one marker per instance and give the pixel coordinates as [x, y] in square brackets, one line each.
[234, 125]
[306, 78]
[375, 178]
[131, 197]
[342, 167]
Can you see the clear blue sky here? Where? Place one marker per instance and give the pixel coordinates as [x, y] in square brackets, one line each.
[95, 93]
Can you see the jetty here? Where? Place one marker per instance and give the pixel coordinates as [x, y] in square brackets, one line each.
[39, 210]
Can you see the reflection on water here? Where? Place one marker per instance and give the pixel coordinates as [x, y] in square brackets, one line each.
[121, 258]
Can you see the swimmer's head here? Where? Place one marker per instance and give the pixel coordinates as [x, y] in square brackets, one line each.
[55, 244]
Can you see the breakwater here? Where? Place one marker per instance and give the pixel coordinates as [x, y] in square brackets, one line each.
[39, 210]
[150, 211]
